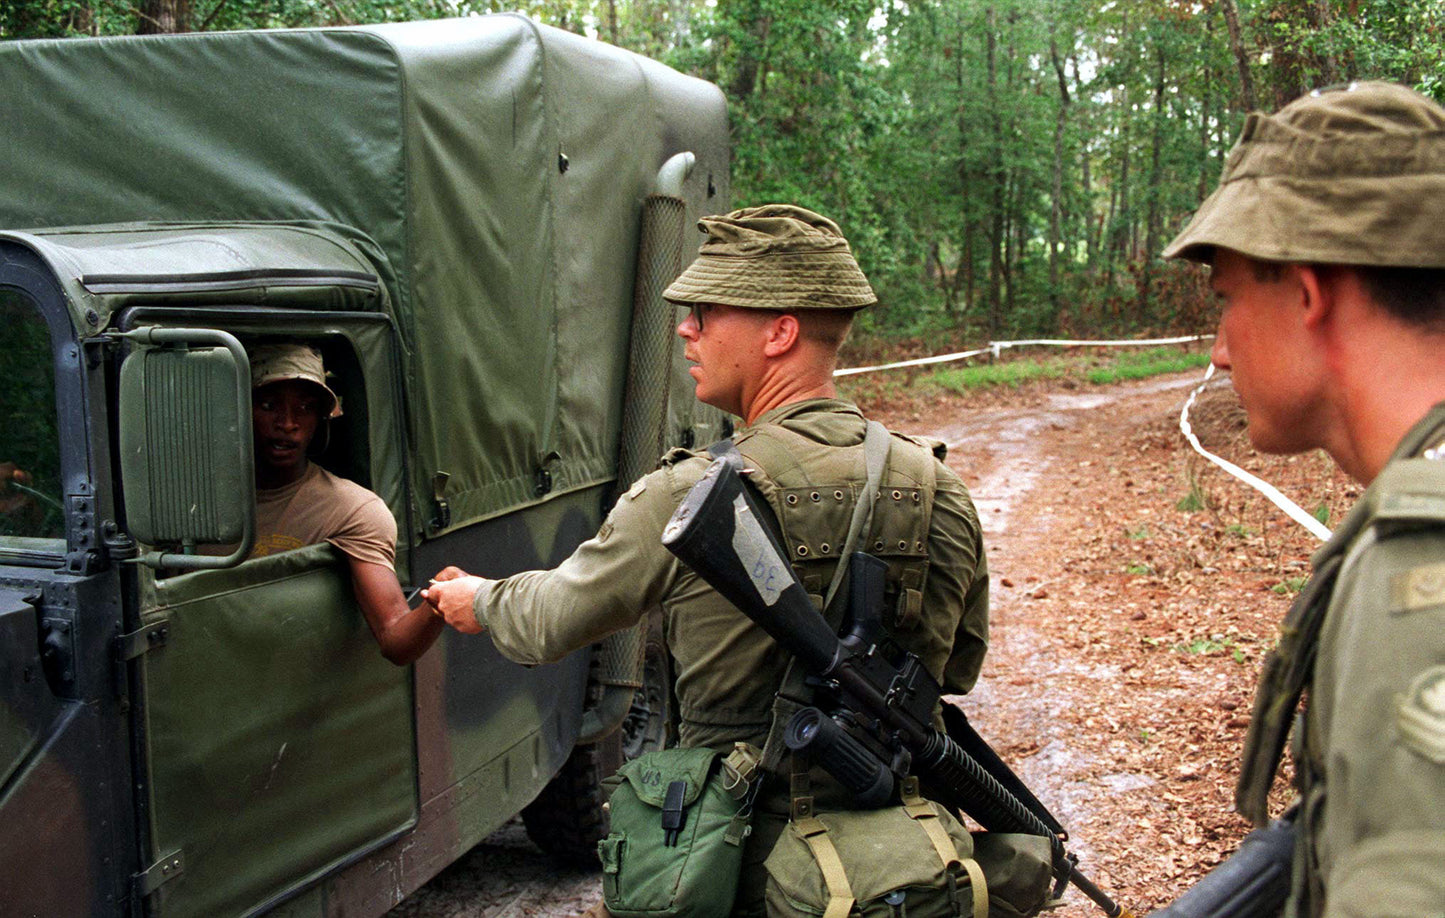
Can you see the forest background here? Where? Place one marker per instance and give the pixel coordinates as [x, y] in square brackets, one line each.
[1001, 167]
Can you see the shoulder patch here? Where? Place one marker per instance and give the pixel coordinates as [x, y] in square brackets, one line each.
[1421, 716]
[1418, 588]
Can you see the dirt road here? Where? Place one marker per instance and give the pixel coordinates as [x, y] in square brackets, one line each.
[1135, 591]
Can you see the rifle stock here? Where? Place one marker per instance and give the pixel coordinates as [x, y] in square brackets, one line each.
[719, 531]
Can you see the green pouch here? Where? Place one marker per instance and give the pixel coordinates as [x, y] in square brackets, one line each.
[885, 863]
[1019, 869]
[650, 870]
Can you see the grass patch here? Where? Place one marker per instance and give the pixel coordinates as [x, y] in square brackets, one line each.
[1143, 364]
[961, 379]
[1112, 366]
[1191, 502]
[1210, 646]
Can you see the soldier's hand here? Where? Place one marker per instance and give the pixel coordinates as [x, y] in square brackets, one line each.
[451, 596]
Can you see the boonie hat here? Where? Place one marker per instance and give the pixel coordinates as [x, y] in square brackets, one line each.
[1353, 175]
[278, 362]
[777, 256]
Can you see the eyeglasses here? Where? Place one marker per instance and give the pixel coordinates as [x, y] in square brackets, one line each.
[698, 310]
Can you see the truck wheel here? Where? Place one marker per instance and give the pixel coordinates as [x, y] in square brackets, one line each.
[567, 819]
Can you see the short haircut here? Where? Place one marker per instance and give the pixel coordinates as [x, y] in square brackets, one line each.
[826, 327]
[1415, 296]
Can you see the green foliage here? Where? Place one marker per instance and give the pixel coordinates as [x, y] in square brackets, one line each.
[1195, 500]
[1211, 646]
[1321, 513]
[1002, 168]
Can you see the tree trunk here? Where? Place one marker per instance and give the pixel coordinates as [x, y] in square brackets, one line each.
[1329, 67]
[156, 17]
[996, 227]
[1056, 208]
[1152, 220]
[1241, 59]
[752, 55]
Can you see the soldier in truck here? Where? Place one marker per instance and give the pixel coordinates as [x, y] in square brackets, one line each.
[299, 503]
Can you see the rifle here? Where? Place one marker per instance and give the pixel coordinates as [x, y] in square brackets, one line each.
[1252, 883]
[883, 725]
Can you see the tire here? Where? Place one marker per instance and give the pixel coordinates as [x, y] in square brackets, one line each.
[568, 818]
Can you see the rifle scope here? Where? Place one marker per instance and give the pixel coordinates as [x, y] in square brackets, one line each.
[847, 759]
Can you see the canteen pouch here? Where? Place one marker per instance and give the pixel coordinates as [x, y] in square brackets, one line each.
[1019, 869]
[883, 863]
[676, 845]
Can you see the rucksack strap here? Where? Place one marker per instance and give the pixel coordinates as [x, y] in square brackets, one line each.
[1287, 670]
[835, 878]
[876, 445]
[926, 816]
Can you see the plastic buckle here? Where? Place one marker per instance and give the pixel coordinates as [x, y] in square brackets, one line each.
[673, 815]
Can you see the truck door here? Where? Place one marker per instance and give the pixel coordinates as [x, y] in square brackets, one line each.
[278, 744]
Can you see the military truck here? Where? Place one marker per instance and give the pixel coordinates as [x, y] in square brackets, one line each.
[472, 220]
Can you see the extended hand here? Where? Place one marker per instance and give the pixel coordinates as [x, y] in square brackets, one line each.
[451, 593]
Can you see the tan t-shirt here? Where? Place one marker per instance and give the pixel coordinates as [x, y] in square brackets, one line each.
[320, 507]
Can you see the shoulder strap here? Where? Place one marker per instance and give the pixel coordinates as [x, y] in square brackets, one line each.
[876, 445]
[1287, 670]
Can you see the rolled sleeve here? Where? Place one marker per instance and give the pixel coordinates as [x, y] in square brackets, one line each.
[606, 585]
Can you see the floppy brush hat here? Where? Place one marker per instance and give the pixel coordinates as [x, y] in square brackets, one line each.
[777, 256]
[1350, 175]
[278, 362]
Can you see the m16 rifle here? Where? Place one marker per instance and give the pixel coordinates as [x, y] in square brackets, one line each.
[881, 727]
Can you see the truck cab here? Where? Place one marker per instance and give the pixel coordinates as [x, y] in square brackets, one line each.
[472, 220]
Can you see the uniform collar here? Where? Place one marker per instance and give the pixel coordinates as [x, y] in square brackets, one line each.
[1427, 433]
[793, 409]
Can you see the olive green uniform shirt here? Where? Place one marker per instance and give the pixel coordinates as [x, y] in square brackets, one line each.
[727, 669]
[1371, 754]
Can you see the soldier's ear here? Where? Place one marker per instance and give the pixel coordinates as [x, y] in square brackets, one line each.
[1318, 290]
[783, 333]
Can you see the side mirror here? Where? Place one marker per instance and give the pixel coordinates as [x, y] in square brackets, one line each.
[186, 460]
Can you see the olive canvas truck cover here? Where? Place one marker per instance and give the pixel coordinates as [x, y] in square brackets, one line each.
[451, 211]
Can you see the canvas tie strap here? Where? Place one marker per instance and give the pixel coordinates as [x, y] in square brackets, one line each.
[922, 813]
[840, 894]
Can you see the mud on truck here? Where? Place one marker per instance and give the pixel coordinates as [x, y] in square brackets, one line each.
[473, 221]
